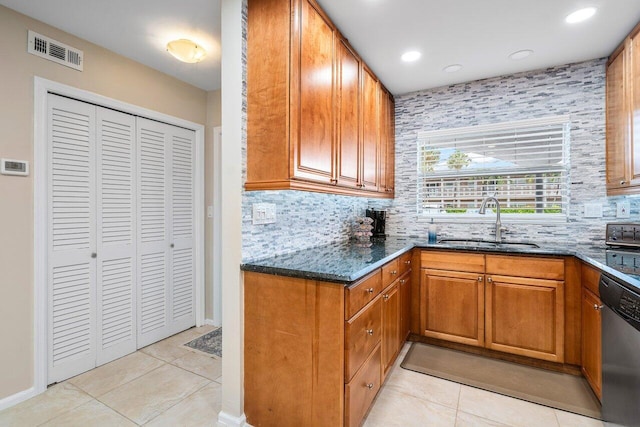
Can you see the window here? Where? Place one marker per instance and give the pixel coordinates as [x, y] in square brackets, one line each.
[523, 164]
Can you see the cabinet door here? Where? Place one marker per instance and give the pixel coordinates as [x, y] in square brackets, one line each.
[452, 306]
[390, 325]
[525, 317]
[634, 83]
[370, 124]
[387, 142]
[617, 130]
[348, 116]
[591, 341]
[312, 99]
[405, 307]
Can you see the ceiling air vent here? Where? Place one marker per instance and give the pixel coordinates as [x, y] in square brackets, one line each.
[55, 51]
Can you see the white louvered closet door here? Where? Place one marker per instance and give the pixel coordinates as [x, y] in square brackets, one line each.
[71, 238]
[182, 229]
[166, 271]
[116, 237]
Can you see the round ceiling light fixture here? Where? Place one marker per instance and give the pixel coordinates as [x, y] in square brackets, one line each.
[521, 54]
[580, 15]
[186, 50]
[452, 68]
[411, 56]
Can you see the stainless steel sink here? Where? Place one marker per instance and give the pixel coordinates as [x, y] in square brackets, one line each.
[477, 243]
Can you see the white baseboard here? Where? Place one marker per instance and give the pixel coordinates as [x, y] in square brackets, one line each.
[210, 322]
[227, 420]
[14, 399]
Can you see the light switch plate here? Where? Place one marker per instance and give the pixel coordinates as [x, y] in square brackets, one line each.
[264, 213]
[622, 209]
[593, 210]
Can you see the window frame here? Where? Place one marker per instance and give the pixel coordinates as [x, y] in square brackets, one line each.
[565, 170]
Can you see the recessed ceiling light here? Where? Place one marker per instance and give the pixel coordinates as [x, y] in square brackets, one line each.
[580, 15]
[521, 54]
[452, 68]
[411, 56]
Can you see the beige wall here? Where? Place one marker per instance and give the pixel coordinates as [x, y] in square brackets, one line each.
[105, 73]
[214, 119]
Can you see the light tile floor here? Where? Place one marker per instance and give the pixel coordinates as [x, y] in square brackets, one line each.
[168, 384]
[164, 384]
[411, 399]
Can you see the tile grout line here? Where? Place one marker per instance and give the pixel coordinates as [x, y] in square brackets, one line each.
[177, 403]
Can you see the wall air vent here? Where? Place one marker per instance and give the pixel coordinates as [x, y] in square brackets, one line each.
[55, 51]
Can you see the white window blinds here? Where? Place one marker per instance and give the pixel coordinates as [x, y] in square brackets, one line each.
[524, 164]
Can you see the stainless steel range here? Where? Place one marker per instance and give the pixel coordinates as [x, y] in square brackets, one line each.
[623, 253]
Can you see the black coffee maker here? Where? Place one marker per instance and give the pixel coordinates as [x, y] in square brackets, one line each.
[379, 218]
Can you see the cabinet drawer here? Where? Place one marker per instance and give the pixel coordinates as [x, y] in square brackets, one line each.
[405, 262]
[390, 272]
[360, 392]
[519, 266]
[472, 263]
[359, 295]
[591, 279]
[362, 333]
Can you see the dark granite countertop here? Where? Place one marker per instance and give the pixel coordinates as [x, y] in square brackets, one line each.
[346, 262]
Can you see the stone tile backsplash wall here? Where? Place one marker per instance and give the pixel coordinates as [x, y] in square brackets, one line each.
[577, 90]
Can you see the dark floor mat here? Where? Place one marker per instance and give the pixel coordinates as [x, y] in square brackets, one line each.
[210, 342]
[555, 389]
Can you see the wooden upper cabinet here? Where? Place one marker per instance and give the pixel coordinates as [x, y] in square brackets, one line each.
[387, 142]
[348, 116]
[312, 105]
[617, 123]
[370, 131]
[623, 117]
[312, 127]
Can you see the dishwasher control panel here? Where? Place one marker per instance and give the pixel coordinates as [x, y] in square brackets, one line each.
[630, 305]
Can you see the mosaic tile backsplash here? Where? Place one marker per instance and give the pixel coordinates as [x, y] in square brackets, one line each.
[307, 219]
[577, 90]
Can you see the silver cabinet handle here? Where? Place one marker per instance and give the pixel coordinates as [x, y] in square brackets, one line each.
[623, 182]
[489, 279]
[370, 290]
[394, 272]
[479, 278]
[386, 297]
[402, 281]
[408, 262]
[597, 307]
[369, 331]
[370, 386]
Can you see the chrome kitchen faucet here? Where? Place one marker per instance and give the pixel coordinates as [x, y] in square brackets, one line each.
[483, 209]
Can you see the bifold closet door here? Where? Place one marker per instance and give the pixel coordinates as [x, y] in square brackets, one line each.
[92, 318]
[71, 237]
[165, 230]
[116, 236]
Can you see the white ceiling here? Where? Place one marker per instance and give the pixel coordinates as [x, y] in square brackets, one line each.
[479, 35]
[140, 30]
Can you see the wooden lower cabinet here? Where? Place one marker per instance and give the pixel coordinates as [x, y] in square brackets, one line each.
[316, 353]
[525, 316]
[390, 326]
[592, 340]
[453, 306]
[405, 307]
[362, 389]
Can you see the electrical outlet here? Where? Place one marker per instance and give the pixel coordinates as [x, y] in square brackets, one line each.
[593, 210]
[622, 209]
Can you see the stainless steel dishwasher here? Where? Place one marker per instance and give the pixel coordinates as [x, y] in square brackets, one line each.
[620, 353]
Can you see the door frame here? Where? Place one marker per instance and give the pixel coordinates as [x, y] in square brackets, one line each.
[42, 87]
[216, 251]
